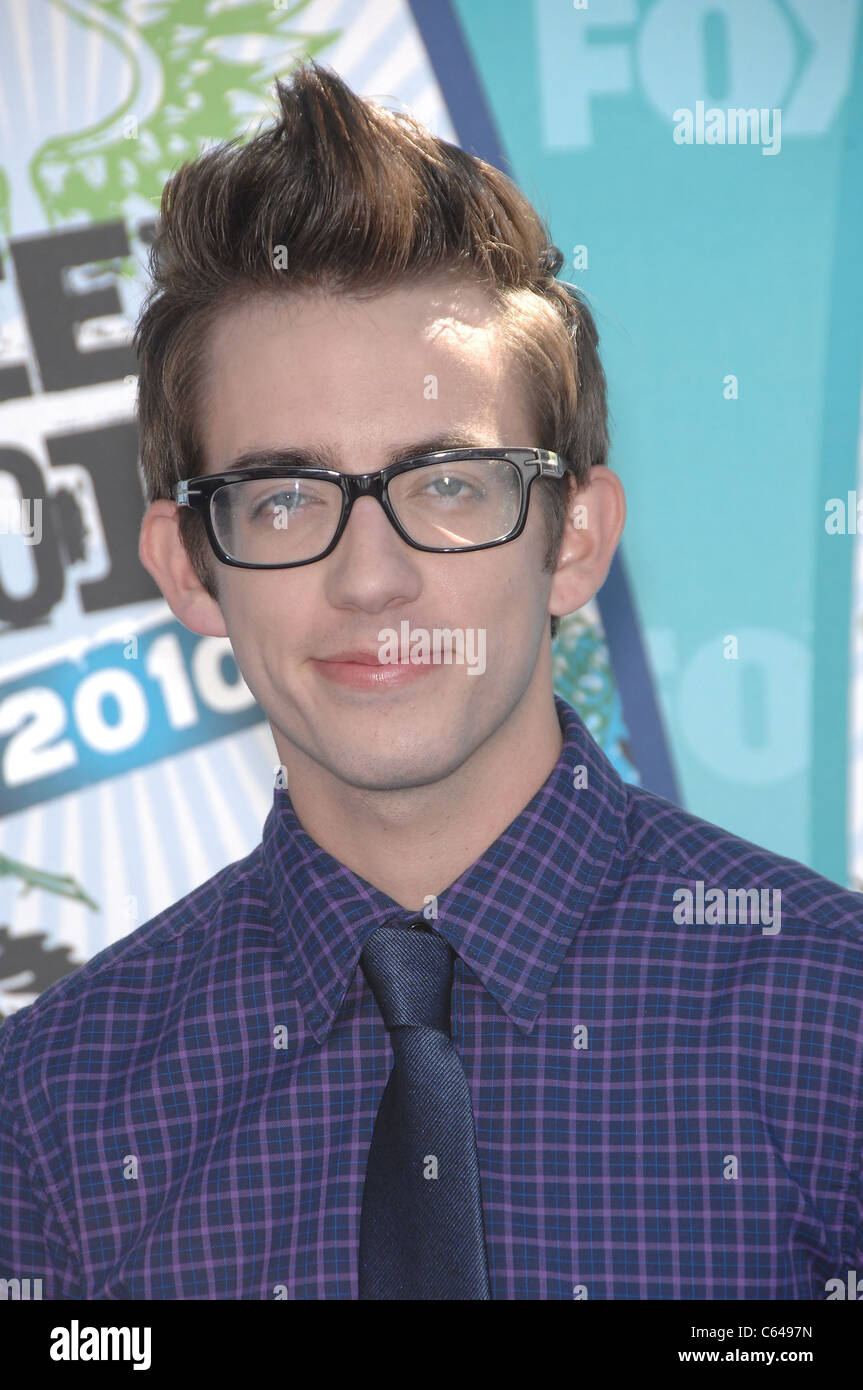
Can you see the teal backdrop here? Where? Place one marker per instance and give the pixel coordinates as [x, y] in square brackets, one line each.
[704, 262]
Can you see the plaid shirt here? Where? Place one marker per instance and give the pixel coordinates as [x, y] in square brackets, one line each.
[667, 1104]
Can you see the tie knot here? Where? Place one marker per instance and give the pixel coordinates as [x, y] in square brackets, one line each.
[410, 974]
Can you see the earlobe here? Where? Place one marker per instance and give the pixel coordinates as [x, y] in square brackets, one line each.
[163, 555]
[200, 613]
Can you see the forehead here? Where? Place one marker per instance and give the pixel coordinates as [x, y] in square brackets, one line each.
[316, 367]
[322, 331]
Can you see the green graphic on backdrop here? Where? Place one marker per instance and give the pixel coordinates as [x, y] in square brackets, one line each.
[93, 172]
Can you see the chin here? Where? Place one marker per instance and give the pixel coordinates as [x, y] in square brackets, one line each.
[417, 767]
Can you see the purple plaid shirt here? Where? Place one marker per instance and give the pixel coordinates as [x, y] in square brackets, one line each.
[667, 1102]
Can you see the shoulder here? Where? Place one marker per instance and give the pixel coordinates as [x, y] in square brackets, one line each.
[137, 976]
[679, 851]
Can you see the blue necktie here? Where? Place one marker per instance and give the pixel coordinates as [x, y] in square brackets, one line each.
[421, 1226]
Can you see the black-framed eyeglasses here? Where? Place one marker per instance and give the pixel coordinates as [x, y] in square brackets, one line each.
[275, 517]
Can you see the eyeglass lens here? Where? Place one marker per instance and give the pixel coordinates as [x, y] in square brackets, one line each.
[276, 520]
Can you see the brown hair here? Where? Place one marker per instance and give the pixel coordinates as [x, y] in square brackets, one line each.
[362, 198]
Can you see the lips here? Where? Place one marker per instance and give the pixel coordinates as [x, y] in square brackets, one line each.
[361, 670]
[359, 657]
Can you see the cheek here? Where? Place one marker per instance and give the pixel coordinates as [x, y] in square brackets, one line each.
[493, 580]
[255, 616]
[517, 578]
[503, 596]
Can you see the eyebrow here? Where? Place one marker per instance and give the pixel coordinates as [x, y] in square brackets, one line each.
[319, 456]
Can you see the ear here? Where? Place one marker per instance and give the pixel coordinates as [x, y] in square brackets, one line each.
[595, 517]
[163, 554]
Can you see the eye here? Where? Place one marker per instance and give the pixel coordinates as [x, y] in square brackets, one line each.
[448, 482]
[290, 501]
[272, 500]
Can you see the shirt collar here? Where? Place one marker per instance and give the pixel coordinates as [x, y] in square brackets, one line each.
[510, 916]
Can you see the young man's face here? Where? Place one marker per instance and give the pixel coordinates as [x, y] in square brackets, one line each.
[362, 379]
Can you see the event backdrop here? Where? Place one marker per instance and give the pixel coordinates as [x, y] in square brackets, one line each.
[699, 164]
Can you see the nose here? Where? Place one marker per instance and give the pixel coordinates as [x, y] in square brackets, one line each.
[373, 524]
[371, 566]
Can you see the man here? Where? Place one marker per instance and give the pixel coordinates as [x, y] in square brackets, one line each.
[477, 1019]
